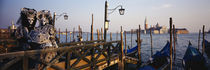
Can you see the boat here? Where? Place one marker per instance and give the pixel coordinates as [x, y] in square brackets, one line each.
[193, 59]
[131, 52]
[207, 48]
[159, 60]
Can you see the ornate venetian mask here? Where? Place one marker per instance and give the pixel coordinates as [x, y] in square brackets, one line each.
[28, 17]
[44, 17]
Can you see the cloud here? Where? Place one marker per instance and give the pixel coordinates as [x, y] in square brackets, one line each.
[166, 6]
[163, 6]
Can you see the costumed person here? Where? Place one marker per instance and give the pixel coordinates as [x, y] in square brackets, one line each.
[43, 36]
[26, 22]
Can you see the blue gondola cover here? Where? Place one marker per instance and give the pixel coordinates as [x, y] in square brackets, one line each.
[193, 59]
[158, 59]
[192, 52]
[131, 50]
[164, 52]
[147, 68]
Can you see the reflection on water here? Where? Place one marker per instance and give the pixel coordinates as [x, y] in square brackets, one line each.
[159, 42]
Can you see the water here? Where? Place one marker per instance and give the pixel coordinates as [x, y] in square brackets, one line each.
[159, 41]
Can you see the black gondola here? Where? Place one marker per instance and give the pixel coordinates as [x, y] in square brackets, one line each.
[160, 60]
[207, 48]
[131, 52]
[193, 59]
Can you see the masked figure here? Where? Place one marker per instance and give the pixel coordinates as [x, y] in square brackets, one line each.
[43, 36]
[26, 22]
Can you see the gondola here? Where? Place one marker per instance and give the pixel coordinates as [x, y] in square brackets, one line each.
[207, 48]
[159, 60]
[193, 59]
[131, 52]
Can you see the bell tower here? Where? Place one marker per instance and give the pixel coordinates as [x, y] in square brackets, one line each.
[145, 25]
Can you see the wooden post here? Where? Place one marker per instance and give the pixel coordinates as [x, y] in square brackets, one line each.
[199, 39]
[131, 38]
[125, 43]
[139, 44]
[87, 37]
[67, 63]
[170, 21]
[70, 36]
[121, 64]
[92, 50]
[54, 14]
[117, 36]
[79, 31]
[109, 54]
[151, 42]
[25, 62]
[92, 28]
[203, 49]
[73, 34]
[102, 34]
[174, 36]
[66, 35]
[98, 36]
[59, 35]
[110, 36]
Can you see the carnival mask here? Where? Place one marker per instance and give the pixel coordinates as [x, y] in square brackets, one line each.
[44, 17]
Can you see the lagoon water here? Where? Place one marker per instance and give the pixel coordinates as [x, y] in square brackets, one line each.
[159, 41]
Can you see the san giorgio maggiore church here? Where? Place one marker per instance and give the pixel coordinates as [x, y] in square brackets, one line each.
[157, 29]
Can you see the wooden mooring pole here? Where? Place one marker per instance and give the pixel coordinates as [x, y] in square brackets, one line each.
[170, 21]
[121, 63]
[98, 36]
[110, 36]
[73, 34]
[87, 37]
[102, 34]
[79, 31]
[199, 39]
[59, 35]
[66, 35]
[117, 36]
[91, 37]
[151, 42]
[125, 43]
[70, 36]
[131, 38]
[203, 49]
[174, 36]
[139, 44]
[93, 49]
[54, 14]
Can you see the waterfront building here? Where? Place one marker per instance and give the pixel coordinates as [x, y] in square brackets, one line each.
[181, 31]
[157, 29]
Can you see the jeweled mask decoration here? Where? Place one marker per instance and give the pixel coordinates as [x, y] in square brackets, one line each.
[44, 17]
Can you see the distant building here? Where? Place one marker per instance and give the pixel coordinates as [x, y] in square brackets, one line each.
[145, 25]
[157, 29]
[181, 31]
[12, 28]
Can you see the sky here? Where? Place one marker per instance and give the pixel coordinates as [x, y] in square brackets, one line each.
[190, 14]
